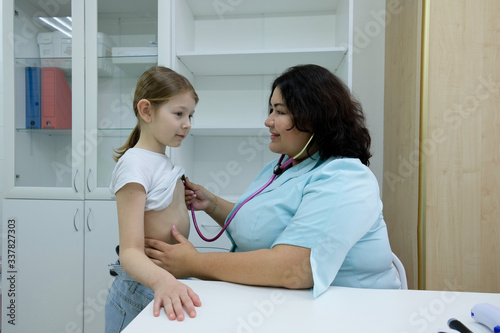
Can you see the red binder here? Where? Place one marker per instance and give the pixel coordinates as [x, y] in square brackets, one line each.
[56, 99]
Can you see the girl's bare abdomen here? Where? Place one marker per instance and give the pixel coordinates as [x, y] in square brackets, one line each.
[158, 224]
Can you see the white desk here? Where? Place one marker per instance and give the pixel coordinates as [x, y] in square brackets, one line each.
[234, 308]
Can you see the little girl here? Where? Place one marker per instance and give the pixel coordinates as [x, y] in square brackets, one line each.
[150, 200]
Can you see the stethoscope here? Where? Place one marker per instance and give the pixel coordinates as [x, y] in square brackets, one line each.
[278, 170]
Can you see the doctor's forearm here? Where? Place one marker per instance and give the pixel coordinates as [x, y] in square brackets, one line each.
[284, 266]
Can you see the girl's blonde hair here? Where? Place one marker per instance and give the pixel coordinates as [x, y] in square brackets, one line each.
[158, 85]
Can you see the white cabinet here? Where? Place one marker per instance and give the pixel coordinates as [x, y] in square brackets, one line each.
[55, 275]
[70, 101]
[232, 51]
[101, 239]
[43, 163]
[66, 233]
[40, 285]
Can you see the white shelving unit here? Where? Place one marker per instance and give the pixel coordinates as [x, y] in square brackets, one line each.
[258, 62]
[232, 54]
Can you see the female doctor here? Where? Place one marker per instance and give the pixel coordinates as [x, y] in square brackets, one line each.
[319, 222]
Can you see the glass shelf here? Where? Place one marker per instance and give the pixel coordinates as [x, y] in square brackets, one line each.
[132, 66]
[43, 131]
[114, 132]
[126, 58]
[27, 62]
[63, 63]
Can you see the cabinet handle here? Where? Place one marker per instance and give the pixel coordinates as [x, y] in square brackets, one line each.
[74, 182]
[74, 219]
[88, 177]
[88, 218]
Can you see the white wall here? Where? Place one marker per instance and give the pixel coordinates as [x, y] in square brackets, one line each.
[368, 73]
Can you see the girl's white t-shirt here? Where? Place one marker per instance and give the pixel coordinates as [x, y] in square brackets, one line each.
[152, 170]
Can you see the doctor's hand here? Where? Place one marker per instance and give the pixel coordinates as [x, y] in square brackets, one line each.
[176, 259]
[200, 197]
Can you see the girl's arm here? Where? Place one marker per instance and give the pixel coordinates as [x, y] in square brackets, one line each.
[285, 266]
[169, 293]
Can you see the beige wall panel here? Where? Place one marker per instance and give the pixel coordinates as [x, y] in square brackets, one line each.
[490, 182]
[462, 206]
[401, 131]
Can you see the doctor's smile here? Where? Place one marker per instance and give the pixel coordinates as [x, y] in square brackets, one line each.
[274, 136]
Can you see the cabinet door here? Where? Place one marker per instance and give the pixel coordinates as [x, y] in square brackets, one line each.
[42, 279]
[44, 145]
[101, 238]
[121, 43]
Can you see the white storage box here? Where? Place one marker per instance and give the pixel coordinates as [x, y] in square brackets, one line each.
[54, 45]
[58, 45]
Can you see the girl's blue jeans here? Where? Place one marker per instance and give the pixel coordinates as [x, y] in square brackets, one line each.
[126, 299]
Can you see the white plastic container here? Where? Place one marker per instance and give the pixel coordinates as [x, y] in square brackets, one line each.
[54, 45]
[58, 45]
[104, 45]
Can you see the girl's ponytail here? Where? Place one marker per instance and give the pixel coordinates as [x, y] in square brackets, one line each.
[131, 142]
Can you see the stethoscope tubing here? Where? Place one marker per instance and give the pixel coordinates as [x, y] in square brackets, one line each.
[279, 168]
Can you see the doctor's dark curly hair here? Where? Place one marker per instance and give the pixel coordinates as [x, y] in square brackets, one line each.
[320, 103]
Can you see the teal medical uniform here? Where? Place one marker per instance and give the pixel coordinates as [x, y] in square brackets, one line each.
[332, 207]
